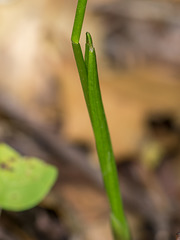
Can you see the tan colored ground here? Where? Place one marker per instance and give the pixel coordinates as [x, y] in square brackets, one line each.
[128, 96]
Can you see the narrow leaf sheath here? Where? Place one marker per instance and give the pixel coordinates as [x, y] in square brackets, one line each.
[104, 149]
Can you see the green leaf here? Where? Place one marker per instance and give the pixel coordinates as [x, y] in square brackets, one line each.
[24, 181]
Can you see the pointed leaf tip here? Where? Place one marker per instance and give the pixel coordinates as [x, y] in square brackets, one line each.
[89, 39]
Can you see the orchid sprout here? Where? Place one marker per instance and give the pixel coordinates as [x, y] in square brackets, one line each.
[88, 73]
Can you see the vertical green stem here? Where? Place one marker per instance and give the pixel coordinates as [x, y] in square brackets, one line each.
[78, 21]
[88, 73]
[81, 66]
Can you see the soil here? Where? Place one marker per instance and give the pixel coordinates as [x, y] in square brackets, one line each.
[37, 223]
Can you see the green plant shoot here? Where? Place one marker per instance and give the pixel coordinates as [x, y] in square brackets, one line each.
[25, 181]
[87, 68]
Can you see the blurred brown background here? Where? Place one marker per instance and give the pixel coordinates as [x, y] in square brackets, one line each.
[43, 113]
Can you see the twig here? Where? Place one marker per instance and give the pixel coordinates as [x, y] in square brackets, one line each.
[50, 143]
